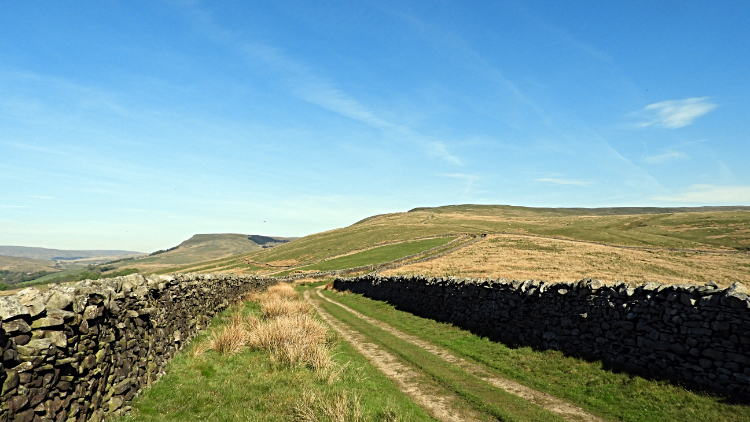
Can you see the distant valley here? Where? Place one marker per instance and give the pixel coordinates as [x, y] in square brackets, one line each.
[21, 265]
[62, 255]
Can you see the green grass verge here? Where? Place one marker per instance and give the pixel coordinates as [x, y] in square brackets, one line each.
[482, 396]
[586, 384]
[248, 387]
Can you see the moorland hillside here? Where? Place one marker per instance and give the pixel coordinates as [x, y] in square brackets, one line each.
[633, 244]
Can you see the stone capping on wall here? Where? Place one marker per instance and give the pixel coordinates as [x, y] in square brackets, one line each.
[82, 352]
[695, 335]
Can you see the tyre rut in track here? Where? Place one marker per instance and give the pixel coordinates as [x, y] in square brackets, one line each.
[439, 404]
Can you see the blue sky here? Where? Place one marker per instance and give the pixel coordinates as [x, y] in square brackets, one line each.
[135, 124]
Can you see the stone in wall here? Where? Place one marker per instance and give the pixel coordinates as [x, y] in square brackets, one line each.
[82, 352]
[698, 335]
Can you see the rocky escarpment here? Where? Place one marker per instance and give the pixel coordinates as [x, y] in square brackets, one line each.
[699, 335]
[82, 352]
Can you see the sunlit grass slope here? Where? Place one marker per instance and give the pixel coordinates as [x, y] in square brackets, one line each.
[14, 263]
[377, 255]
[711, 229]
[201, 247]
[691, 228]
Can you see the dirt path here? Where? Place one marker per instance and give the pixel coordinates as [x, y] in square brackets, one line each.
[440, 404]
[544, 400]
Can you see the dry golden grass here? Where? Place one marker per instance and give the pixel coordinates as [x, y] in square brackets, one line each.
[521, 257]
[274, 307]
[335, 408]
[229, 340]
[290, 334]
[294, 340]
[287, 329]
[280, 300]
[284, 291]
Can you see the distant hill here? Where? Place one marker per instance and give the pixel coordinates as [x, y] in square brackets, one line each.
[204, 247]
[676, 227]
[720, 229]
[267, 241]
[60, 254]
[14, 263]
[493, 209]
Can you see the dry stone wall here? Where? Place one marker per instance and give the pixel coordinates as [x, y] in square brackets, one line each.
[82, 352]
[696, 335]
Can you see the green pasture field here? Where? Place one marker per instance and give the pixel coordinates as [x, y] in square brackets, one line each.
[614, 396]
[376, 255]
[73, 269]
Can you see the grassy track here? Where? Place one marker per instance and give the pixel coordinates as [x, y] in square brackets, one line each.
[586, 384]
[248, 387]
[484, 397]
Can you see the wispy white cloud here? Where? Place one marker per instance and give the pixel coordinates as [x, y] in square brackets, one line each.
[469, 180]
[302, 81]
[318, 91]
[666, 157]
[710, 194]
[463, 176]
[60, 93]
[34, 148]
[674, 114]
[564, 182]
[465, 55]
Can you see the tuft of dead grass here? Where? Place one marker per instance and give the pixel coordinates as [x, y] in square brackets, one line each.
[229, 340]
[283, 291]
[287, 331]
[275, 307]
[339, 407]
[200, 348]
[290, 339]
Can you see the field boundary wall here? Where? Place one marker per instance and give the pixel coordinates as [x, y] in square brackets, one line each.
[695, 335]
[82, 352]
